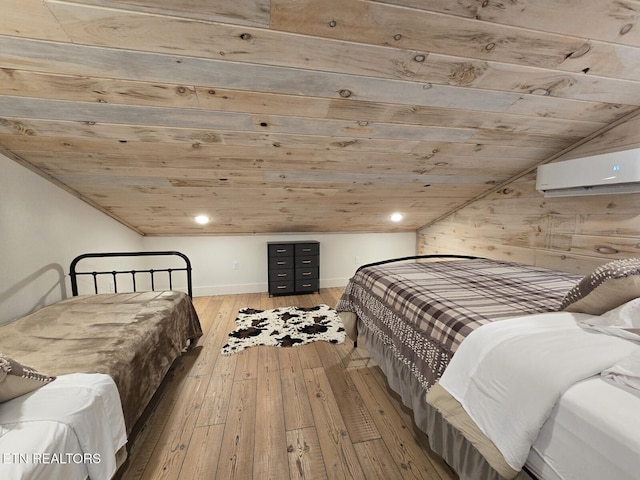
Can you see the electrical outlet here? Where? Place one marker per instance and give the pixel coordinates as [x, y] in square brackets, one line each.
[236, 265]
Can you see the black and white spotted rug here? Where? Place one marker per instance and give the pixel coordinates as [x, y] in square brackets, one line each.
[284, 327]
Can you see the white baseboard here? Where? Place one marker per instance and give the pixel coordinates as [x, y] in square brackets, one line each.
[229, 289]
[207, 291]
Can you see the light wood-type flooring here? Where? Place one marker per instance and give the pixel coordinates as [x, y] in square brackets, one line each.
[318, 411]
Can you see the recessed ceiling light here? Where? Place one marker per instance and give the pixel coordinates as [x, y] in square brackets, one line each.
[396, 217]
[202, 219]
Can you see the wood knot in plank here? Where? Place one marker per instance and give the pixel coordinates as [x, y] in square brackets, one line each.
[346, 143]
[581, 51]
[545, 92]
[333, 23]
[206, 138]
[607, 250]
[17, 127]
[344, 93]
[626, 28]
[465, 74]
[245, 36]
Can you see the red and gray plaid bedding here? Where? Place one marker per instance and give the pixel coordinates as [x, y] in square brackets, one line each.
[423, 311]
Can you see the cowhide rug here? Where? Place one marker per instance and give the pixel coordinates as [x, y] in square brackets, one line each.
[284, 327]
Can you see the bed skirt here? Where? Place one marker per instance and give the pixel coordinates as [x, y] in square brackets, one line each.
[463, 456]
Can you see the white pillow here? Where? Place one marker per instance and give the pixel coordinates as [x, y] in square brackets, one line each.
[623, 321]
[626, 372]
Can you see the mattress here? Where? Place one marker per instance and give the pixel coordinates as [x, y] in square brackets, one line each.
[593, 433]
[69, 429]
[506, 378]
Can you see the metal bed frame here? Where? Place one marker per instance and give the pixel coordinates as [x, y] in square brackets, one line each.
[73, 273]
[414, 257]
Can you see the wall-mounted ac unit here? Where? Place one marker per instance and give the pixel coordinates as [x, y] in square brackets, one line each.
[617, 172]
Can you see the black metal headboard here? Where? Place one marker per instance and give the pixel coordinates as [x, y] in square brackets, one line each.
[415, 257]
[73, 273]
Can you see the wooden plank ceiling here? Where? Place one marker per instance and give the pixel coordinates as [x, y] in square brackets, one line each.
[304, 115]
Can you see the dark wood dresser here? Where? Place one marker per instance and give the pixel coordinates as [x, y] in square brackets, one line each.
[294, 267]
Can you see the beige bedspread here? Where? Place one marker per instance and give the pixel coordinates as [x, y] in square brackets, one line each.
[133, 337]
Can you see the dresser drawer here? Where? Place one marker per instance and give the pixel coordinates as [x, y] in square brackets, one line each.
[280, 274]
[307, 285]
[281, 287]
[310, 273]
[307, 261]
[304, 249]
[281, 249]
[281, 262]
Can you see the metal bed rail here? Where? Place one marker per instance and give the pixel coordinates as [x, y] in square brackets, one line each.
[74, 273]
[415, 257]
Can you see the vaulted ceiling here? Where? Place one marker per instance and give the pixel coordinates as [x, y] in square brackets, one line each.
[305, 115]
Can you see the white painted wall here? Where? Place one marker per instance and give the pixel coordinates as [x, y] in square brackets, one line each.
[42, 228]
[340, 254]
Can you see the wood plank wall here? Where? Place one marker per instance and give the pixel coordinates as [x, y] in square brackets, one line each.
[517, 223]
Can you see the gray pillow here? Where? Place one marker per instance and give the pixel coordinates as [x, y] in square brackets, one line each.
[17, 379]
[607, 287]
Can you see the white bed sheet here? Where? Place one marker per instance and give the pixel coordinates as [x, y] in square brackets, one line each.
[68, 429]
[593, 433]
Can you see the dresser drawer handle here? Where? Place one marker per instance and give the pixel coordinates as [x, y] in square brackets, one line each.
[306, 249]
[307, 285]
[281, 250]
[281, 287]
[306, 261]
[306, 274]
[282, 275]
[281, 263]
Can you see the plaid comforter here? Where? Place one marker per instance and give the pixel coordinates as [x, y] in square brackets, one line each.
[423, 311]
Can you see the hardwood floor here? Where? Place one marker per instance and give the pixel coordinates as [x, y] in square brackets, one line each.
[318, 411]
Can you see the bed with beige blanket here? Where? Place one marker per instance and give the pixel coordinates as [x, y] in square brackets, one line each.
[132, 337]
[413, 317]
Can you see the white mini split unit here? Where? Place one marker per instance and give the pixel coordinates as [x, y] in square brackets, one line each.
[617, 172]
